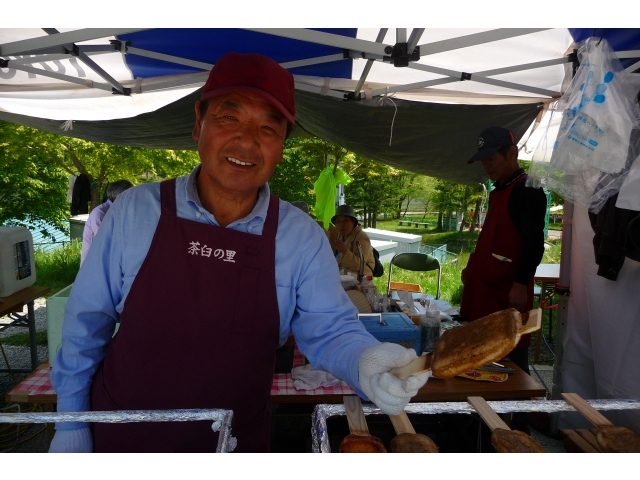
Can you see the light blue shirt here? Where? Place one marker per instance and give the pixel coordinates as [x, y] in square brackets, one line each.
[313, 305]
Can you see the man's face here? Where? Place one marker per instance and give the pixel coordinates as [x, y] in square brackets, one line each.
[240, 140]
[498, 168]
[344, 225]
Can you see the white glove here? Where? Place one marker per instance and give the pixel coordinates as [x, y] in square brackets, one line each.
[387, 391]
[72, 441]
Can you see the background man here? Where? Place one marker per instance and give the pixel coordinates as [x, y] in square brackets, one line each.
[500, 272]
[94, 220]
[208, 274]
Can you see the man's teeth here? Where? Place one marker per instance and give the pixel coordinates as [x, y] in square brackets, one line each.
[238, 162]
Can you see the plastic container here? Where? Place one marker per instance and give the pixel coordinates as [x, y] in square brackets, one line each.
[370, 291]
[430, 325]
[17, 263]
[395, 328]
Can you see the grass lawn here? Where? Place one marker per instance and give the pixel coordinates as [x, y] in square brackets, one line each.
[22, 339]
[460, 243]
[58, 268]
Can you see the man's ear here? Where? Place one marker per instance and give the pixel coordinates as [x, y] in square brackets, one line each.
[196, 129]
[513, 150]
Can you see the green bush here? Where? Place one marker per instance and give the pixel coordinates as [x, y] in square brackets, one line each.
[58, 268]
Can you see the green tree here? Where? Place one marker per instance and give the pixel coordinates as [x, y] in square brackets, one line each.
[293, 179]
[32, 187]
[34, 170]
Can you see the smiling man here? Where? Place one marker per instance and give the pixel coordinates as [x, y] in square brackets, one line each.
[500, 272]
[208, 275]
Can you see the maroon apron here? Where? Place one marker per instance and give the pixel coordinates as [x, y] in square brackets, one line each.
[199, 329]
[489, 280]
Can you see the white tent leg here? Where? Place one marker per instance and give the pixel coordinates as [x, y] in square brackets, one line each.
[563, 303]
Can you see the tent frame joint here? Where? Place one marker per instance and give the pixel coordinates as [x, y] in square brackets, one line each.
[400, 56]
[4, 63]
[120, 46]
[465, 76]
[352, 96]
[125, 91]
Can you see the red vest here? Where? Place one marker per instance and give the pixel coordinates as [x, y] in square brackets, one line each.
[488, 279]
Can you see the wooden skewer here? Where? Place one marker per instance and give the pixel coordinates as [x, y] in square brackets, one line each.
[487, 414]
[355, 416]
[590, 413]
[359, 440]
[401, 423]
[533, 320]
[414, 367]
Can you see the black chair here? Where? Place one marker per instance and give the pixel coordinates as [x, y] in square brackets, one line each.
[417, 262]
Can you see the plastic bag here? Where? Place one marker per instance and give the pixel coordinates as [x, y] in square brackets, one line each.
[325, 188]
[591, 152]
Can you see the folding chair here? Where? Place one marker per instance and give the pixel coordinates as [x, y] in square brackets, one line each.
[417, 262]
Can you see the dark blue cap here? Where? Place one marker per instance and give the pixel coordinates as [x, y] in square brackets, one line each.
[490, 141]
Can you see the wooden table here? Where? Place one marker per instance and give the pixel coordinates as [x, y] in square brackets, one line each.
[519, 386]
[36, 388]
[15, 303]
[547, 275]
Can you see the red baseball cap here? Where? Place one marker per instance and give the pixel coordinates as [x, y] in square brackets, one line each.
[251, 72]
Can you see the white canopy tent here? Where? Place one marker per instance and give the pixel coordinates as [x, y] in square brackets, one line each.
[102, 76]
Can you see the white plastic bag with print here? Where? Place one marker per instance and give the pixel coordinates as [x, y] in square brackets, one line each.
[599, 111]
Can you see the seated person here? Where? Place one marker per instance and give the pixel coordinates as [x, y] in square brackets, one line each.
[343, 238]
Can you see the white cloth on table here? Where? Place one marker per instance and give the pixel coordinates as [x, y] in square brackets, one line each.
[306, 378]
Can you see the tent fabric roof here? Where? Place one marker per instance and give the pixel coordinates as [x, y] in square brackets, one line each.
[462, 81]
[428, 138]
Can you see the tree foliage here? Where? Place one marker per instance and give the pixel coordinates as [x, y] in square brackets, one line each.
[32, 186]
[293, 179]
[35, 166]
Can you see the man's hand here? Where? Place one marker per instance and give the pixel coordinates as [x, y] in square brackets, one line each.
[518, 297]
[387, 391]
[341, 246]
[72, 441]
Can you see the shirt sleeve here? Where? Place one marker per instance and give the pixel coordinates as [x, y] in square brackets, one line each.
[320, 315]
[89, 321]
[527, 208]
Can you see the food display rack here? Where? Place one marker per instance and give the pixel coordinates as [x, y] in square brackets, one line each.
[221, 420]
[320, 436]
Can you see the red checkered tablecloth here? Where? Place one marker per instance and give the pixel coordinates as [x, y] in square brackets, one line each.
[283, 383]
[38, 383]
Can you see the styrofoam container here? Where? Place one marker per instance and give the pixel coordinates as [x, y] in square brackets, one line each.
[55, 315]
[17, 263]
